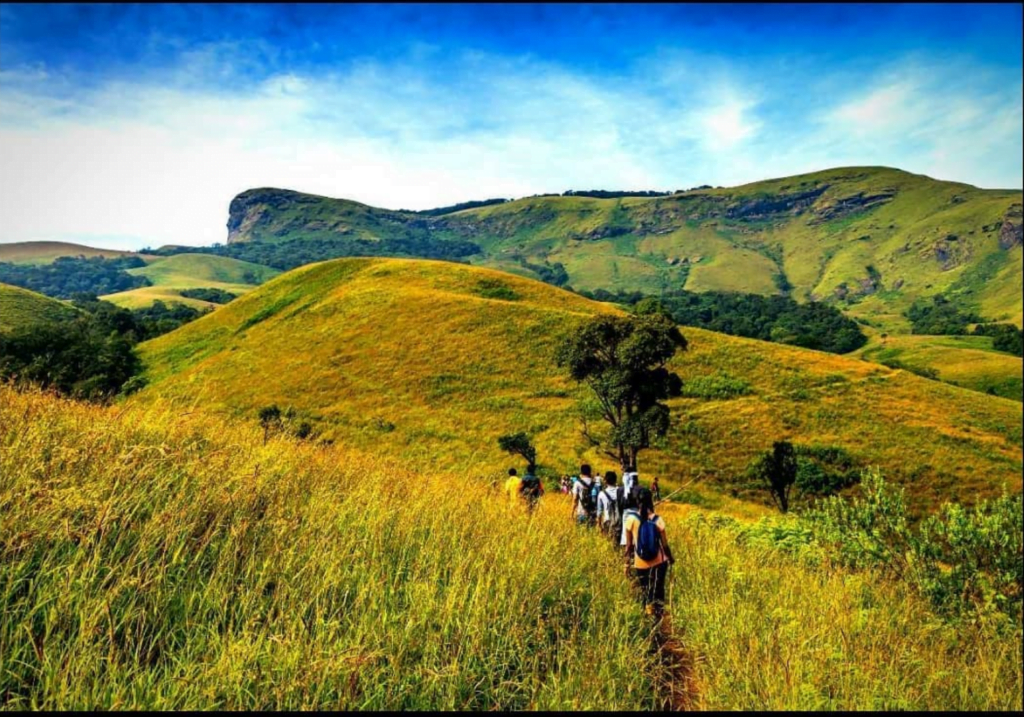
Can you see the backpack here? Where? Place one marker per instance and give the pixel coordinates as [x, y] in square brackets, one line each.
[648, 541]
[530, 487]
[588, 496]
[632, 498]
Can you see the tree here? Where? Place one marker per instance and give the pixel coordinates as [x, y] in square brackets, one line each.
[777, 470]
[623, 361]
[518, 444]
[270, 417]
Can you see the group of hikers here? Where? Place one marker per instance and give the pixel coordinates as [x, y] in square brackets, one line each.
[622, 511]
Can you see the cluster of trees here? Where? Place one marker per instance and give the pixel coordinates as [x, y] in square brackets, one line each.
[1005, 337]
[815, 471]
[291, 254]
[70, 275]
[769, 318]
[547, 272]
[457, 207]
[939, 316]
[606, 194]
[90, 355]
[217, 296]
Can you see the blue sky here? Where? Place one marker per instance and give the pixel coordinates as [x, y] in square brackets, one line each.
[132, 126]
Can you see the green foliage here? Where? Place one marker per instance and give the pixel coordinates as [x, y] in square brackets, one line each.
[1005, 337]
[81, 357]
[439, 211]
[217, 296]
[824, 470]
[939, 316]
[623, 361]
[495, 289]
[291, 254]
[768, 318]
[519, 444]
[69, 275]
[88, 354]
[776, 470]
[961, 559]
[715, 386]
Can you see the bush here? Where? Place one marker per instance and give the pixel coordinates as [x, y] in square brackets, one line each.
[718, 386]
[963, 560]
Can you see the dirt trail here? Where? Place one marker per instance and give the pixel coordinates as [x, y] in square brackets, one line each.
[677, 681]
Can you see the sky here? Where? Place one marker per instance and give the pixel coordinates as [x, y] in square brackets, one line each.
[134, 126]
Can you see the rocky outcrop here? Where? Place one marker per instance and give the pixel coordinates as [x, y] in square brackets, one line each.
[853, 204]
[949, 251]
[1011, 233]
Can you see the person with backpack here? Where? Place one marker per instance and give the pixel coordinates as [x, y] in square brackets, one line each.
[648, 553]
[629, 504]
[530, 487]
[608, 513]
[584, 498]
[630, 478]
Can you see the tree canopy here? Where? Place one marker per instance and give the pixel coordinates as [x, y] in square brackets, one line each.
[623, 359]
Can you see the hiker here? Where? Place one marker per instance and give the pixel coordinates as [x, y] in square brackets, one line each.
[531, 488]
[584, 501]
[629, 504]
[630, 478]
[608, 511]
[513, 484]
[655, 490]
[648, 553]
[565, 485]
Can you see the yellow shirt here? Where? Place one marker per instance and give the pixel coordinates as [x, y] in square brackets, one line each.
[632, 526]
[512, 486]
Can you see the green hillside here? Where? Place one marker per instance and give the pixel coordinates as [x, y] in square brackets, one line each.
[20, 307]
[43, 252]
[869, 239]
[171, 274]
[432, 361]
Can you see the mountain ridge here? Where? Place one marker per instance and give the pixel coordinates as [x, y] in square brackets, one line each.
[869, 239]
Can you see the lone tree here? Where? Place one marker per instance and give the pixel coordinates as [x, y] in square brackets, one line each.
[623, 361]
[518, 444]
[777, 470]
[270, 417]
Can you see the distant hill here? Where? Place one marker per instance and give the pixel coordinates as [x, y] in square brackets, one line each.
[20, 307]
[869, 239]
[43, 252]
[432, 361]
[169, 275]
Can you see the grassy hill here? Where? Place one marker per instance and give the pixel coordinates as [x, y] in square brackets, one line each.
[43, 252]
[171, 274]
[870, 239]
[155, 559]
[968, 361]
[433, 361]
[20, 307]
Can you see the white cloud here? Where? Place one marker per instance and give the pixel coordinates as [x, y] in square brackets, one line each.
[156, 160]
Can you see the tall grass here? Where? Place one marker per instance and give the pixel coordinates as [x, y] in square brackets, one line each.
[162, 562]
[770, 631]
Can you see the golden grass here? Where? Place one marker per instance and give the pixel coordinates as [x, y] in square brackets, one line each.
[164, 561]
[767, 632]
[407, 358]
[159, 560]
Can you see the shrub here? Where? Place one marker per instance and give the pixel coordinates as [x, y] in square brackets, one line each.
[963, 560]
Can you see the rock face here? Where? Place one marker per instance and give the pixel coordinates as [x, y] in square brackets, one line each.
[851, 205]
[1012, 231]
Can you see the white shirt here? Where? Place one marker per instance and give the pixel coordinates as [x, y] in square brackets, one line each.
[628, 480]
[583, 485]
[605, 500]
[626, 514]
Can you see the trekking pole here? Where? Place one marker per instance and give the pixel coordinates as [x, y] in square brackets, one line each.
[684, 485]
